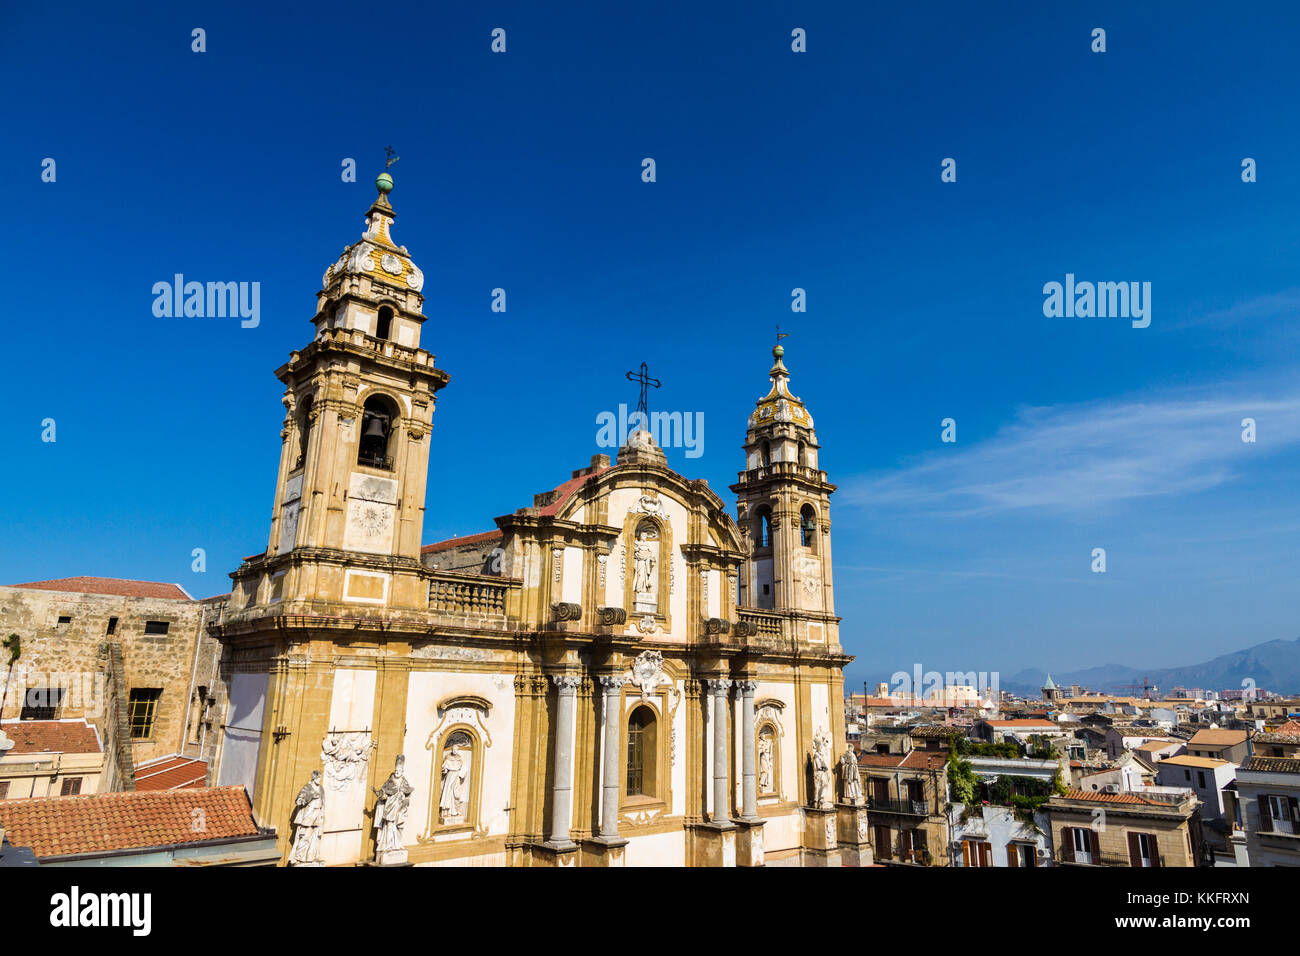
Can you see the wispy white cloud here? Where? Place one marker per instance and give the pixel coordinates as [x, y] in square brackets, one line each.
[1077, 458]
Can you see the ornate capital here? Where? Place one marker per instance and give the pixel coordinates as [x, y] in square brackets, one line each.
[566, 682]
[718, 687]
[747, 687]
[612, 683]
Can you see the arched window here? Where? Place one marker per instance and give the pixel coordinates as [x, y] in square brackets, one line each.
[384, 324]
[377, 420]
[808, 526]
[765, 453]
[763, 527]
[641, 753]
[304, 431]
[803, 454]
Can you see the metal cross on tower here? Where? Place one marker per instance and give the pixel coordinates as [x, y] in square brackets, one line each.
[646, 381]
[388, 151]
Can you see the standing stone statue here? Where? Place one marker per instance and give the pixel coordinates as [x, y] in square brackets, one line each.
[821, 762]
[390, 815]
[452, 798]
[308, 817]
[643, 557]
[852, 780]
[765, 763]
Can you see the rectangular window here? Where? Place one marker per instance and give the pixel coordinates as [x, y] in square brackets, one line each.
[1027, 854]
[156, 627]
[41, 703]
[1082, 843]
[71, 786]
[884, 840]
[1200, 779]
[64, 620]
[635, 759]
[143, 707]
[915, 791]
[1146, 849]
[4, 789]
[112, 626]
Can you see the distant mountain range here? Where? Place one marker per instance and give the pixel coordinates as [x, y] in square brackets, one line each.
[1273, 666]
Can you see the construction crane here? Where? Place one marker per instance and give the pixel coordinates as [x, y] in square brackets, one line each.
[1146, 687]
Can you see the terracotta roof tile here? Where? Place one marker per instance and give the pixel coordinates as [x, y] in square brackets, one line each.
[1273, 764]
[116, 586]
[105, 822]
[1218, 738]
[51, 736]
[1100, 797]
[171, 773]
[456, 542]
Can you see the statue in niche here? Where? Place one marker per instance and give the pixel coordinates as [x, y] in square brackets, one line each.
[765, 762]
[645, 561]
[852, 780]
[308, 817]
[394, 798]
[821, 764]
[455, 774]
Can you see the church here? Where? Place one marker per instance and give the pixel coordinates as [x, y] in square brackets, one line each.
[622, 674]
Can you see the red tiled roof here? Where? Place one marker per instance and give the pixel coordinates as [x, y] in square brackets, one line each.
[912, 760]
[456, 542]
[1021, 722]
[563, 493]
[51, 736]
[105, 822]
[1099, 796]
[924, 760]
[566, 491]
[1218, 738]
[117, 586]
[171, 773]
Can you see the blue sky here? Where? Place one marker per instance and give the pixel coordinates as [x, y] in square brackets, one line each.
[775, 170]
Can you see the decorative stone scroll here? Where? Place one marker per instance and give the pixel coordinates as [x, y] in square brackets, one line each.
[566, 611]
[610, 616]
[716, 626]
[744, 629]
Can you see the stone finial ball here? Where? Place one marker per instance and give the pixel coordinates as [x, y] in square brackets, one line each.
[384, 183]
[778, 351]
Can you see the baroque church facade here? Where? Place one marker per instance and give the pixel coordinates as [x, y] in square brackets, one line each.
[622, 674]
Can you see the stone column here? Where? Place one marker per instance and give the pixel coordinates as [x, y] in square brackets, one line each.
[562, 788]
[613, 685]
[721, 794]
[749, 743]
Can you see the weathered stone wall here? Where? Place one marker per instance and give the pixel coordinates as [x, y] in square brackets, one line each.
[74, 656]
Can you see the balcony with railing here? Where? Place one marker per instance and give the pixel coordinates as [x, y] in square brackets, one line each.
[767, 624]
[911, 808]
[457, 594]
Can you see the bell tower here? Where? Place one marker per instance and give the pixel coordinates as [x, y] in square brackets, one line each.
[783, 509]
[359, 399]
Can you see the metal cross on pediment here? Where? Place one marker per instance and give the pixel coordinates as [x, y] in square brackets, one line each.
[388, 152]
[646, 382]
